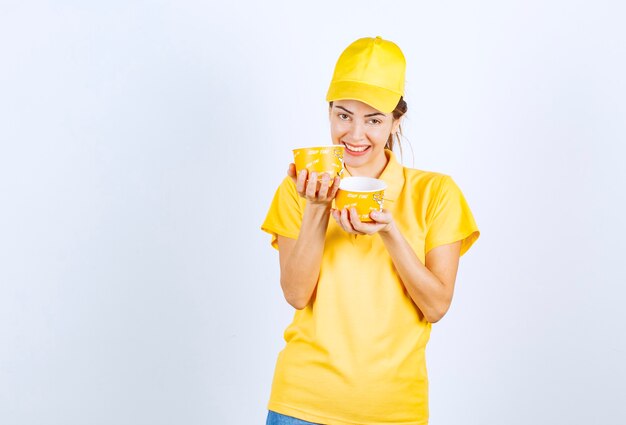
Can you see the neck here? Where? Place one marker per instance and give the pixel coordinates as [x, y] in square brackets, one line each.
[370, 170]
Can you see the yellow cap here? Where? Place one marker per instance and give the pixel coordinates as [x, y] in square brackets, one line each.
[370, 70]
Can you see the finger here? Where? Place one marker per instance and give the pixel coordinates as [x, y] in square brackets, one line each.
[311, 186]
[323, 192]
[351, 214]
[355, 221]
[335, 187]
[301, 182]
[345, 220]
[383, 217]
[291, 172]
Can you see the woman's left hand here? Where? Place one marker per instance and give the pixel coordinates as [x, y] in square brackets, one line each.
[350, 222]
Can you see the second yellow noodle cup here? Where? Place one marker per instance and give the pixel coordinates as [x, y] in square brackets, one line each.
[363, 193]
[320, 159]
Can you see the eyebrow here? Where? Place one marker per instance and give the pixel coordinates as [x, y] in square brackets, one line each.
[366, 116]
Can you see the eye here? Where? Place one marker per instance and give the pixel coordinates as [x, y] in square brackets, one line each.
[375, 121]
[343, 116]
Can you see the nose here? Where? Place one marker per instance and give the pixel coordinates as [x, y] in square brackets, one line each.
[357, 131]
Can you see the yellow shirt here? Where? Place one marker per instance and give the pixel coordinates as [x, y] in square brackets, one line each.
[356, 353]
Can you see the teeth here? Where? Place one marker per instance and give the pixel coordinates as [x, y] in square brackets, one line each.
[355, 148]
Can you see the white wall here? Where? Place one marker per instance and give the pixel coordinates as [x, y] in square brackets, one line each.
[140, 145]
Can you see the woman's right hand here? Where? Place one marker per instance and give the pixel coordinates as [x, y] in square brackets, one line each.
[315, 192]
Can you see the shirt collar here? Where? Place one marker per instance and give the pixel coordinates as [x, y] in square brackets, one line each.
[393, 175]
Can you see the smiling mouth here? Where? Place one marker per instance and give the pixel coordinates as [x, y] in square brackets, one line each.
[356, 149]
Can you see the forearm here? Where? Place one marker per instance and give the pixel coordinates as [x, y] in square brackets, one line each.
[301, 269]
[427, 292]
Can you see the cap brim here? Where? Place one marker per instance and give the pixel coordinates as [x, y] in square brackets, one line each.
[377, 97]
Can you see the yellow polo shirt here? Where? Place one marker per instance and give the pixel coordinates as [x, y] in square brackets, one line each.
[356, 353]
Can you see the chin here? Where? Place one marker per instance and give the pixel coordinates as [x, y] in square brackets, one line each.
[354, 162]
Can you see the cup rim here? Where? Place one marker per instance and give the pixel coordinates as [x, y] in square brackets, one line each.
[380, 184]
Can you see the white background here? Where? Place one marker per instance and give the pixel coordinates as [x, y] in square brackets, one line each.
[141, 143]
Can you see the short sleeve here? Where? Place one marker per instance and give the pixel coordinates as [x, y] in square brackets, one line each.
[451, 219]
[285, 214]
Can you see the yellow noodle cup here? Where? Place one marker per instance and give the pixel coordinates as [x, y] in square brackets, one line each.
[363, 193]
[320, 159]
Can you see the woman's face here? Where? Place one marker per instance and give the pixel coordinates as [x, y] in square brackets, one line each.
[364, 131]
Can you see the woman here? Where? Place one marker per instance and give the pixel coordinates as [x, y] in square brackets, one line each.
[366, 294]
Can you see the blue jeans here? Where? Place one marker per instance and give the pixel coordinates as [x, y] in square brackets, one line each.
[274, 418]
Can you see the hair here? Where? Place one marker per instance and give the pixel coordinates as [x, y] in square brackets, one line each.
[397, 113]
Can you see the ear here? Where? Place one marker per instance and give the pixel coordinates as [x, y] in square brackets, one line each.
[396, 125]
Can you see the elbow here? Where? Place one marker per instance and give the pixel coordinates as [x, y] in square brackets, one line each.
[294, 299]
[298, 303]
[436, 315]
[434, 318]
